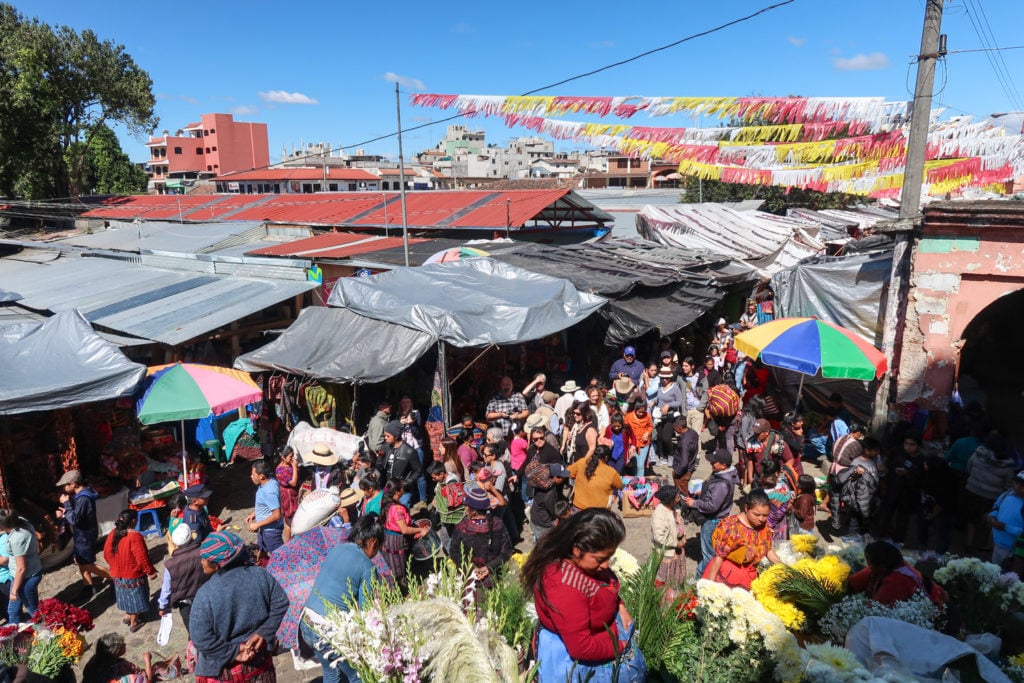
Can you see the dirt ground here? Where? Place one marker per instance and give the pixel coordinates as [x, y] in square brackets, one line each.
[232, 500]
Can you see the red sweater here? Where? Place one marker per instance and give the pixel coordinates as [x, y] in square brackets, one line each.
[896, 586]
[131, 559]
[582, 610]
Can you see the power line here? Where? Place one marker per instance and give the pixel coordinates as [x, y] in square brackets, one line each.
[986, 49]
[577, 77]
[982, 29]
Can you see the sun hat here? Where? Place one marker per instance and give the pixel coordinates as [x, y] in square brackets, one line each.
[623, 386]
[182, 535]
[570, 387]
[549, 397]
[761, 426]
[476, 497]
[666, 372]
[535, 421]
[322, 455]
[349, 497]
[70, 477]
[221, 547]
[580, 396]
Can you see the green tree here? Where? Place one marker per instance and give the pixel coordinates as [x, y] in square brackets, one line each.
[108, 169]
[57, 85]
[776, 199]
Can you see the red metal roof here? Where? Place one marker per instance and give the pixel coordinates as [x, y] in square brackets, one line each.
[425, 209]
[333, 245]
[286, 174]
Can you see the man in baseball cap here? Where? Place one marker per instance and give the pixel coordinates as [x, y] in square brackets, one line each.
[195, 514]
[627, 366]
[78, 509]
[183, 574]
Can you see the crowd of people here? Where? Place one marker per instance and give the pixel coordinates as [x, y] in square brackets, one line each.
[555, 462]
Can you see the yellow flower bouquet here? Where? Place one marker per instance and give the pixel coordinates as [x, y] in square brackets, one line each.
[800, 594]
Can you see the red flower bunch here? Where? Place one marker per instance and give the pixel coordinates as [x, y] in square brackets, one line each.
[8, 631]
[53, 613]
[685, 605]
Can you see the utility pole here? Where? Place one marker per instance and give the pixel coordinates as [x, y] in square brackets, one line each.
[401, 177]
[910, 203]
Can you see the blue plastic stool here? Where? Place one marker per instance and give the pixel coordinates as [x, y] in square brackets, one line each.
[154, 528]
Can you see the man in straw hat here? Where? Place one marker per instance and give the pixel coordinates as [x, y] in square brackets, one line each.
[235, 614]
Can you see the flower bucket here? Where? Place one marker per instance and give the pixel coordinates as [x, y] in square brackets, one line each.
[428, 547]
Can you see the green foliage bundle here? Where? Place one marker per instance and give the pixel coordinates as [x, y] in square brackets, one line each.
[813, 595]
[653, 615]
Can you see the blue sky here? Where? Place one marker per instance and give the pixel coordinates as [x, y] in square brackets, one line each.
[318, 70]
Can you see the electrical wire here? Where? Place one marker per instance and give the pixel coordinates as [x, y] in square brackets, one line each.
[577, 77]
[976, 16]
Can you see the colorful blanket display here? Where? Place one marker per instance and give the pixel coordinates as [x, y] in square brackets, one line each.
[638, 492]
[856, 145]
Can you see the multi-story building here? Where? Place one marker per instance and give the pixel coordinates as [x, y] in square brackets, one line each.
[212, 146]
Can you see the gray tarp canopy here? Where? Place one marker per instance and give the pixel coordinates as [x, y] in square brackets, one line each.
[471, 302]
[848, 291]
[338, 345]
[61, 362]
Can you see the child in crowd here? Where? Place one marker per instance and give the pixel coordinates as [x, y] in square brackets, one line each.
[805, 502]
[1005, 520]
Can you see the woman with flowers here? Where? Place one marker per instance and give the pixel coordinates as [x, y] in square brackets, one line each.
[585, 629]
[888, 579]
[126, 553]
[741, 541]
[399, 530]
[667, 536]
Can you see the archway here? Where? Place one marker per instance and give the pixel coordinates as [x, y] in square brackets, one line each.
[989, 360]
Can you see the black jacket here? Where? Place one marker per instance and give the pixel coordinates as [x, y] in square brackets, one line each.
[716, 495]
[186, 571]
[684, 459]
[401, 462]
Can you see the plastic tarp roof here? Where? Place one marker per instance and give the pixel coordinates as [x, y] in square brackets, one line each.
[471, 302]
[849, 291]
[339, 345]
[765, 241]
[61, 362]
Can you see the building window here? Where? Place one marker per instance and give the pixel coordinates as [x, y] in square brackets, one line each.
[209, 168]
[177, 150]
[277, 188]
[199, 150]
[213, 131]
[214, 148]
[216, 165]
[205, 133]
[207, 150]
[351, 187]
[333, 187]
[621, 163]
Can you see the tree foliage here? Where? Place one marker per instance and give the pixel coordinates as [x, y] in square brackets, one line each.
[107, 169]
[776, 199]
[57, 86]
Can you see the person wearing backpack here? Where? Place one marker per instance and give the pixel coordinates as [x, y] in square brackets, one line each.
[449, 496]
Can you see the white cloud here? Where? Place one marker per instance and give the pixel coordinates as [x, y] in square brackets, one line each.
[405, 81]
[184, 98]
[462, 27]
[862, 62]
[285, 97]
[795, 41]
[245, 110]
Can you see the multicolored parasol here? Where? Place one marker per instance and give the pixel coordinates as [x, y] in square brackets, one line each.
[811, 346]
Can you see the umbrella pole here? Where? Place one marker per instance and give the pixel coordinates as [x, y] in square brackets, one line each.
[799, 390]
[184, 459]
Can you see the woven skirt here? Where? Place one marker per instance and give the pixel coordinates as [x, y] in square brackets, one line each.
[132, 595]
[396, 553]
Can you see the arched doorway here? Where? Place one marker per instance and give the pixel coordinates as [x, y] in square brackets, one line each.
[991, 363]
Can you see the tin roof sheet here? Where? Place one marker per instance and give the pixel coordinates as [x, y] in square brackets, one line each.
[165, 306]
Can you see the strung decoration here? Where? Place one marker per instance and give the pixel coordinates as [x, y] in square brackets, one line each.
[853, 145]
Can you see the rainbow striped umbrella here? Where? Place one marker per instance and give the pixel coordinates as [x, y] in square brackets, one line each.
[811, 346]
[189, 391]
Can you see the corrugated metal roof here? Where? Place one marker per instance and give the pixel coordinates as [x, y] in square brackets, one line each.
[461, 209]
[334, 245]
[160, 236]
[166, 306]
